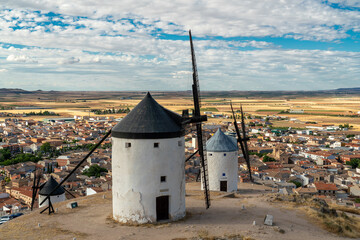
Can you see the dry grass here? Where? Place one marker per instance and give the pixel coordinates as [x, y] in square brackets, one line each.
[342, 225]
[333, 219]
[346, 209]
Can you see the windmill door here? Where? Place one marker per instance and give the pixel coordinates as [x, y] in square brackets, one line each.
[223, 186]
[162, 208]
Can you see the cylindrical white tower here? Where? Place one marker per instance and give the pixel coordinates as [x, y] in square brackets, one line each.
[148, 158]
[46, 189]
[222, 157]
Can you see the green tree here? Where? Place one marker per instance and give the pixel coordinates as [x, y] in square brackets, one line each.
[46, 148]
[298, 184]
[94, 170]
[266, 158]
[354, 163]
[5, 154]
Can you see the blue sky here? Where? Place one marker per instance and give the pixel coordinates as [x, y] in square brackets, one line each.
[143, 45]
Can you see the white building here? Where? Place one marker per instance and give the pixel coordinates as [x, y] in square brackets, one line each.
[222, 157]
[47, 188]
[148, 165]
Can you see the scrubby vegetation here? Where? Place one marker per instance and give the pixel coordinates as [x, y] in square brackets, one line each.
[110, 111]
[332, 218]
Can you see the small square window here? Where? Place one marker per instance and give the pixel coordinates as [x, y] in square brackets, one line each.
[210, 154]
[163, 179]
[224, 154]
[156, 145]
[179, 143]
[127, 145]
[223, 174]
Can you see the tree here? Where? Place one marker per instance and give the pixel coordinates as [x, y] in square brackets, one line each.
[94, 170]
[354, 163]
[298, 184]
[266, 158]
[46, 148]
[5, 154]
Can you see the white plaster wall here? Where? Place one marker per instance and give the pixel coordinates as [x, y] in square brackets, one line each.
[53, 199]
[219, 164]
[136, 173]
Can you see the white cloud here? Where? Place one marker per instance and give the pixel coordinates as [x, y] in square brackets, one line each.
[20, 58]
[105, 46]
[305, 19]
[3, 70]
[70, 60]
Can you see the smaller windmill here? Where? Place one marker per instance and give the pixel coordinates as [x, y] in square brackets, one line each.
[55, 189]
[55, 196]
[242, 140]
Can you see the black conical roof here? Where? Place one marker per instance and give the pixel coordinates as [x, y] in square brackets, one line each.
[50, 185]
[149, 120]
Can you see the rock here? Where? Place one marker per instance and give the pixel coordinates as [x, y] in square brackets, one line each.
[329, 211]
[320, 202]
[280, 230]
[268, 220]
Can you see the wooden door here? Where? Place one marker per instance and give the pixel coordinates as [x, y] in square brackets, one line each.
[162, 208]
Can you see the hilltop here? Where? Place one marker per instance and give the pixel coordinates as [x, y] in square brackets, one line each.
[225, 218]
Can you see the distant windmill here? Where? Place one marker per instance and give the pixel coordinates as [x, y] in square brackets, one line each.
[154, 137]
[242, 140]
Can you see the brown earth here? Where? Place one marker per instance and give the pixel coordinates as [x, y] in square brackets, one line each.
[92, 220]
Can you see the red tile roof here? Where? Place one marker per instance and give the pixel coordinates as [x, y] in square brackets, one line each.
[325, 186]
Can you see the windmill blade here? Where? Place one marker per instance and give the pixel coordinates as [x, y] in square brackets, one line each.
[195, 85]
[198, 176]
[240, 141]
[245, 139]
[192, 155]
[69, 193]
[77, 166]
[197, 116]
[36, 186]
[33, 192]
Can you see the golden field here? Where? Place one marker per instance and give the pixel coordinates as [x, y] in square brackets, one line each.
[322, 110]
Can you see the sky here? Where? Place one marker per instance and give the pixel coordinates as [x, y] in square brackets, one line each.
[143, 45]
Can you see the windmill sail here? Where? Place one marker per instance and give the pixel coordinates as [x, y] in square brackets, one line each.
[242, 140]
[197, 115]
[35, 188]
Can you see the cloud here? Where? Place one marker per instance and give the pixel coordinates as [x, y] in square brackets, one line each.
[135, 45]
[303, 19]
[3, 70]
[20, 58]
[70, 60]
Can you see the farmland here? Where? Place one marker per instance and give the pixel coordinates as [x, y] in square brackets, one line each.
[319, 110]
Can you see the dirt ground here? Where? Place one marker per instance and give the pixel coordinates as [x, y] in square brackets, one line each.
[92, 220]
